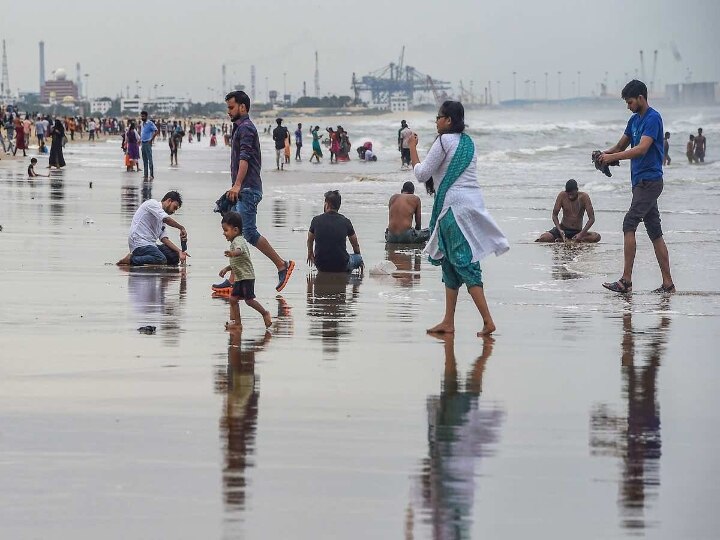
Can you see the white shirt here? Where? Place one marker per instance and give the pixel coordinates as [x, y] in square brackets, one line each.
[92, 125]
[466, 200]
[405, 134]
[369, 155]
[147, 225]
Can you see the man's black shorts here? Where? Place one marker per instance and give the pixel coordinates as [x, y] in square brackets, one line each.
[569, 233]
[644, 208]
[244, 290]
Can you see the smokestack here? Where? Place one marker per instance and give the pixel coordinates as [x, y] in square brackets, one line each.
[78, 80]
[42, 64]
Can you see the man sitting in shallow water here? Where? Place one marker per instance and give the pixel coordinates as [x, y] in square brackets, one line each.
[573, 204]
[402, 207]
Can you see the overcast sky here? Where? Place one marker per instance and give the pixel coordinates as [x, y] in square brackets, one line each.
[182, 45]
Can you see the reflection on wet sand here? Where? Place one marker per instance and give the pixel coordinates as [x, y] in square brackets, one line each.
[407, 260]
[57, 196]
[564, 254]
[152, 303]
[238, 422]
[635, 437]
[330, 308]
[129, 202]
[279, 213]
[459, 432]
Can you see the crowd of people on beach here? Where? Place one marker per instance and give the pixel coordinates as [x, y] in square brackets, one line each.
[461, 231]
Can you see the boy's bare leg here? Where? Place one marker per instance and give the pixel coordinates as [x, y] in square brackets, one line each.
[478, 296]
[447, 326]
[257, 306]
[234, 322]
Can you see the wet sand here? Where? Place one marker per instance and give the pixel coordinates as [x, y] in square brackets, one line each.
[588, 416]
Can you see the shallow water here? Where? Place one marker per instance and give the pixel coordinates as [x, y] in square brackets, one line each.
[589, 416]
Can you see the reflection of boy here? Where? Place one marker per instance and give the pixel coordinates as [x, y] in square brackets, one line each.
[242, 268]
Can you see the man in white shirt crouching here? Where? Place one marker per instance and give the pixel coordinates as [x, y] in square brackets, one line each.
[148, 226]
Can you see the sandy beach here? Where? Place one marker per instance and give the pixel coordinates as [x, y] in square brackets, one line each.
[589, 415]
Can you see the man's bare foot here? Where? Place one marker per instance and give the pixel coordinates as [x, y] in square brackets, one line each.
[442, 328]
[488, 329]
[125, 260]
[233, 325]
[267, 319]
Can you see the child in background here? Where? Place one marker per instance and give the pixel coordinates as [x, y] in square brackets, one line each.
[666, 149]
[287, 148]
[242, 270]
[690, 150]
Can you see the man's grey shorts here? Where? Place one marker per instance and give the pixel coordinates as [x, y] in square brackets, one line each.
[644, 208]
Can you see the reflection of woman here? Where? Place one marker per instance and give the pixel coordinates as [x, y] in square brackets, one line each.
[461, 230]
[56, 148]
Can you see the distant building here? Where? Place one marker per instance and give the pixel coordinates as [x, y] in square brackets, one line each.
[399, 102]
[58, 89]
[162, 105]
[701, 93]
[100, 106]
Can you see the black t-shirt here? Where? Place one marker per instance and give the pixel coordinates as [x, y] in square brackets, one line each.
[280, 133]
[331, 230]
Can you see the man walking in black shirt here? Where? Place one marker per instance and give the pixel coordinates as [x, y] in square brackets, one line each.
[280, 133]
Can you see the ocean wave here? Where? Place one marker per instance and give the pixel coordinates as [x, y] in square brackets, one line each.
[504, 155]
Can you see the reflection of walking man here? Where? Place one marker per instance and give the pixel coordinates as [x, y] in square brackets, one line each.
[644, 132]
[147, 136]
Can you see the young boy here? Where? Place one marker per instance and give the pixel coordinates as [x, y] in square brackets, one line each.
[242, 267]
[690, 150]
[666, 149]
[31, 169]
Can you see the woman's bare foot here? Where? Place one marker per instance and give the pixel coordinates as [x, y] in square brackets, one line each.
[267, 319]
[442, 328]
[233, 325]
[488, 328]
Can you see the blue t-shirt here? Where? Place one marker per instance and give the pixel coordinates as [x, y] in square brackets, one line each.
[649, 166]
[147, 131]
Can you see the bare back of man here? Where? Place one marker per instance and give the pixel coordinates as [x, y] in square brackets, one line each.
[574, 205]
[402, 209]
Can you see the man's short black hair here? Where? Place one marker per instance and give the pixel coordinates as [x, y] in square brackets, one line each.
[333, 199]
[240, 97]
[233, 219]
[634, 89]
[408, 187]
[173, 196]
[279, 121]
[143, 112]
[571, 185]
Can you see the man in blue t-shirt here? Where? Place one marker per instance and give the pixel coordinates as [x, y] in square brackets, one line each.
[148, 132]
[644, 132]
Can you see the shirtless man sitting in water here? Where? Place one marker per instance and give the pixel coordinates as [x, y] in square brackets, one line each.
[402, 208]
[573, 204]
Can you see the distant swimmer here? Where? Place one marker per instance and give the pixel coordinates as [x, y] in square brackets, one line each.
[666, 149]
[700, 145]
[690, 149]
[573, 204]
[402, 208]
[404, 134]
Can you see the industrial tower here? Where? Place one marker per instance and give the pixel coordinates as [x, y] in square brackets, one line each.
[42, 64]
[5, 85]
[252, 82]
[317, 76]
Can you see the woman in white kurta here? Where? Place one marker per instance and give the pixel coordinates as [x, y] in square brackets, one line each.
[462, 230]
